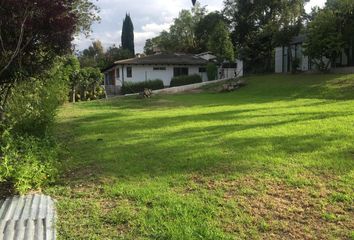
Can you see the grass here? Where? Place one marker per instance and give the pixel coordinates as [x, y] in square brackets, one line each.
[273, 160]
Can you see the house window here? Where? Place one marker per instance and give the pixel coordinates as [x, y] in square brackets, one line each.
[180, 71]
[202, 69]
[159, 68]
[117, 73]
[129, 72]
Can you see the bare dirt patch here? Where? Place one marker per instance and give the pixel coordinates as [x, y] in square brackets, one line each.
[277, 210]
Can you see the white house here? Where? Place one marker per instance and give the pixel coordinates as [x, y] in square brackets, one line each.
[158, 66]
[344, 63]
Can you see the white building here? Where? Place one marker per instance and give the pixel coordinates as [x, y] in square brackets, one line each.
[161, 66]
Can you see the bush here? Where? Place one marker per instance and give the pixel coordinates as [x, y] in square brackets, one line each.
[32, 106]
[212, 71]
[130, 87]
[185, 80]
[27, 162]
[28, 153]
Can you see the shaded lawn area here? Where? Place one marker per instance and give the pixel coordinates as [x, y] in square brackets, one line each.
[273, 160]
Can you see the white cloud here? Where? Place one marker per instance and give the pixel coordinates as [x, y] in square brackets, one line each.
[149, 19]
[313, 3]
[156, 28]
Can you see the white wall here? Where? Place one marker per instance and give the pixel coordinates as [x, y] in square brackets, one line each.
[146, 72]
[279, 60]
[230, 72]
[239, 69]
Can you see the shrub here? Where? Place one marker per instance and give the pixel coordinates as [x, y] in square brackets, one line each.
[32, 105]
[130, 87]
[28, 154]
[185, 80]
[212, 71]
[27, 162]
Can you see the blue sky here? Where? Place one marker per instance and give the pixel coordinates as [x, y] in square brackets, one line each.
[150, 17]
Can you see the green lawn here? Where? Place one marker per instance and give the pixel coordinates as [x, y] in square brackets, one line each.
[273, 160]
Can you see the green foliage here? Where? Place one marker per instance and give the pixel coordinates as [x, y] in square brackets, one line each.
[27, 162]
[324, 43]
[205, 28]
[128, 35]
[83, 81]
[256, 25]
[185, 80]
[212, 71]
[91, 78]
[28, 153]
[130, 87]
[149, 47]
[32, 105]
[181, 35]
[34, 33]
[220, 42]
[330, 31]
[93, 56]
[114, 53]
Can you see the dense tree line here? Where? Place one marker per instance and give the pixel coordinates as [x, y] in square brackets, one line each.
[330, 31]
[255, 28]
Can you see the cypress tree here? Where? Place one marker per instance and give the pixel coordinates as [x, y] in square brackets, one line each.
[128, 34]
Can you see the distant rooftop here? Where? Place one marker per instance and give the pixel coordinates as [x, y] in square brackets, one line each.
[164, 58]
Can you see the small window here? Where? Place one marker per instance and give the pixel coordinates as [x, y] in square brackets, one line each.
[159, 68]
[117, 73]
[202, 69]
[180, 71]
[129, 72]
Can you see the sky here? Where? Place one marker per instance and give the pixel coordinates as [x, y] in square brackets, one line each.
[149, 17]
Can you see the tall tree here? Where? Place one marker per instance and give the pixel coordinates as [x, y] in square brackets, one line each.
[205, 28]
[255, 24]
[93, 56]
[220, 42]
[33, 33]
[330, 32]
[149, 47]
[128, 34]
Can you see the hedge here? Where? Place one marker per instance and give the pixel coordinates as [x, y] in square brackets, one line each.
[185, 80]
[130, 87]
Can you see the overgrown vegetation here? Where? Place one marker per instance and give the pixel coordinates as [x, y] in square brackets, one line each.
[131, 87]
[273, 160]
[29, 152]
[185, 80]
[34, 82]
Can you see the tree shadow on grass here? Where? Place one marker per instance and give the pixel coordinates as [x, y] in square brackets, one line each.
[132, 148]
[260, 89]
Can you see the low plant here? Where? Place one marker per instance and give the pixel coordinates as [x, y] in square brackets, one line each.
[130, 87]
[27, 162]
[185, 80]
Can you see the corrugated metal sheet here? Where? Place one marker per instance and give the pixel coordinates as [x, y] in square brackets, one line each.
[30, 217]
